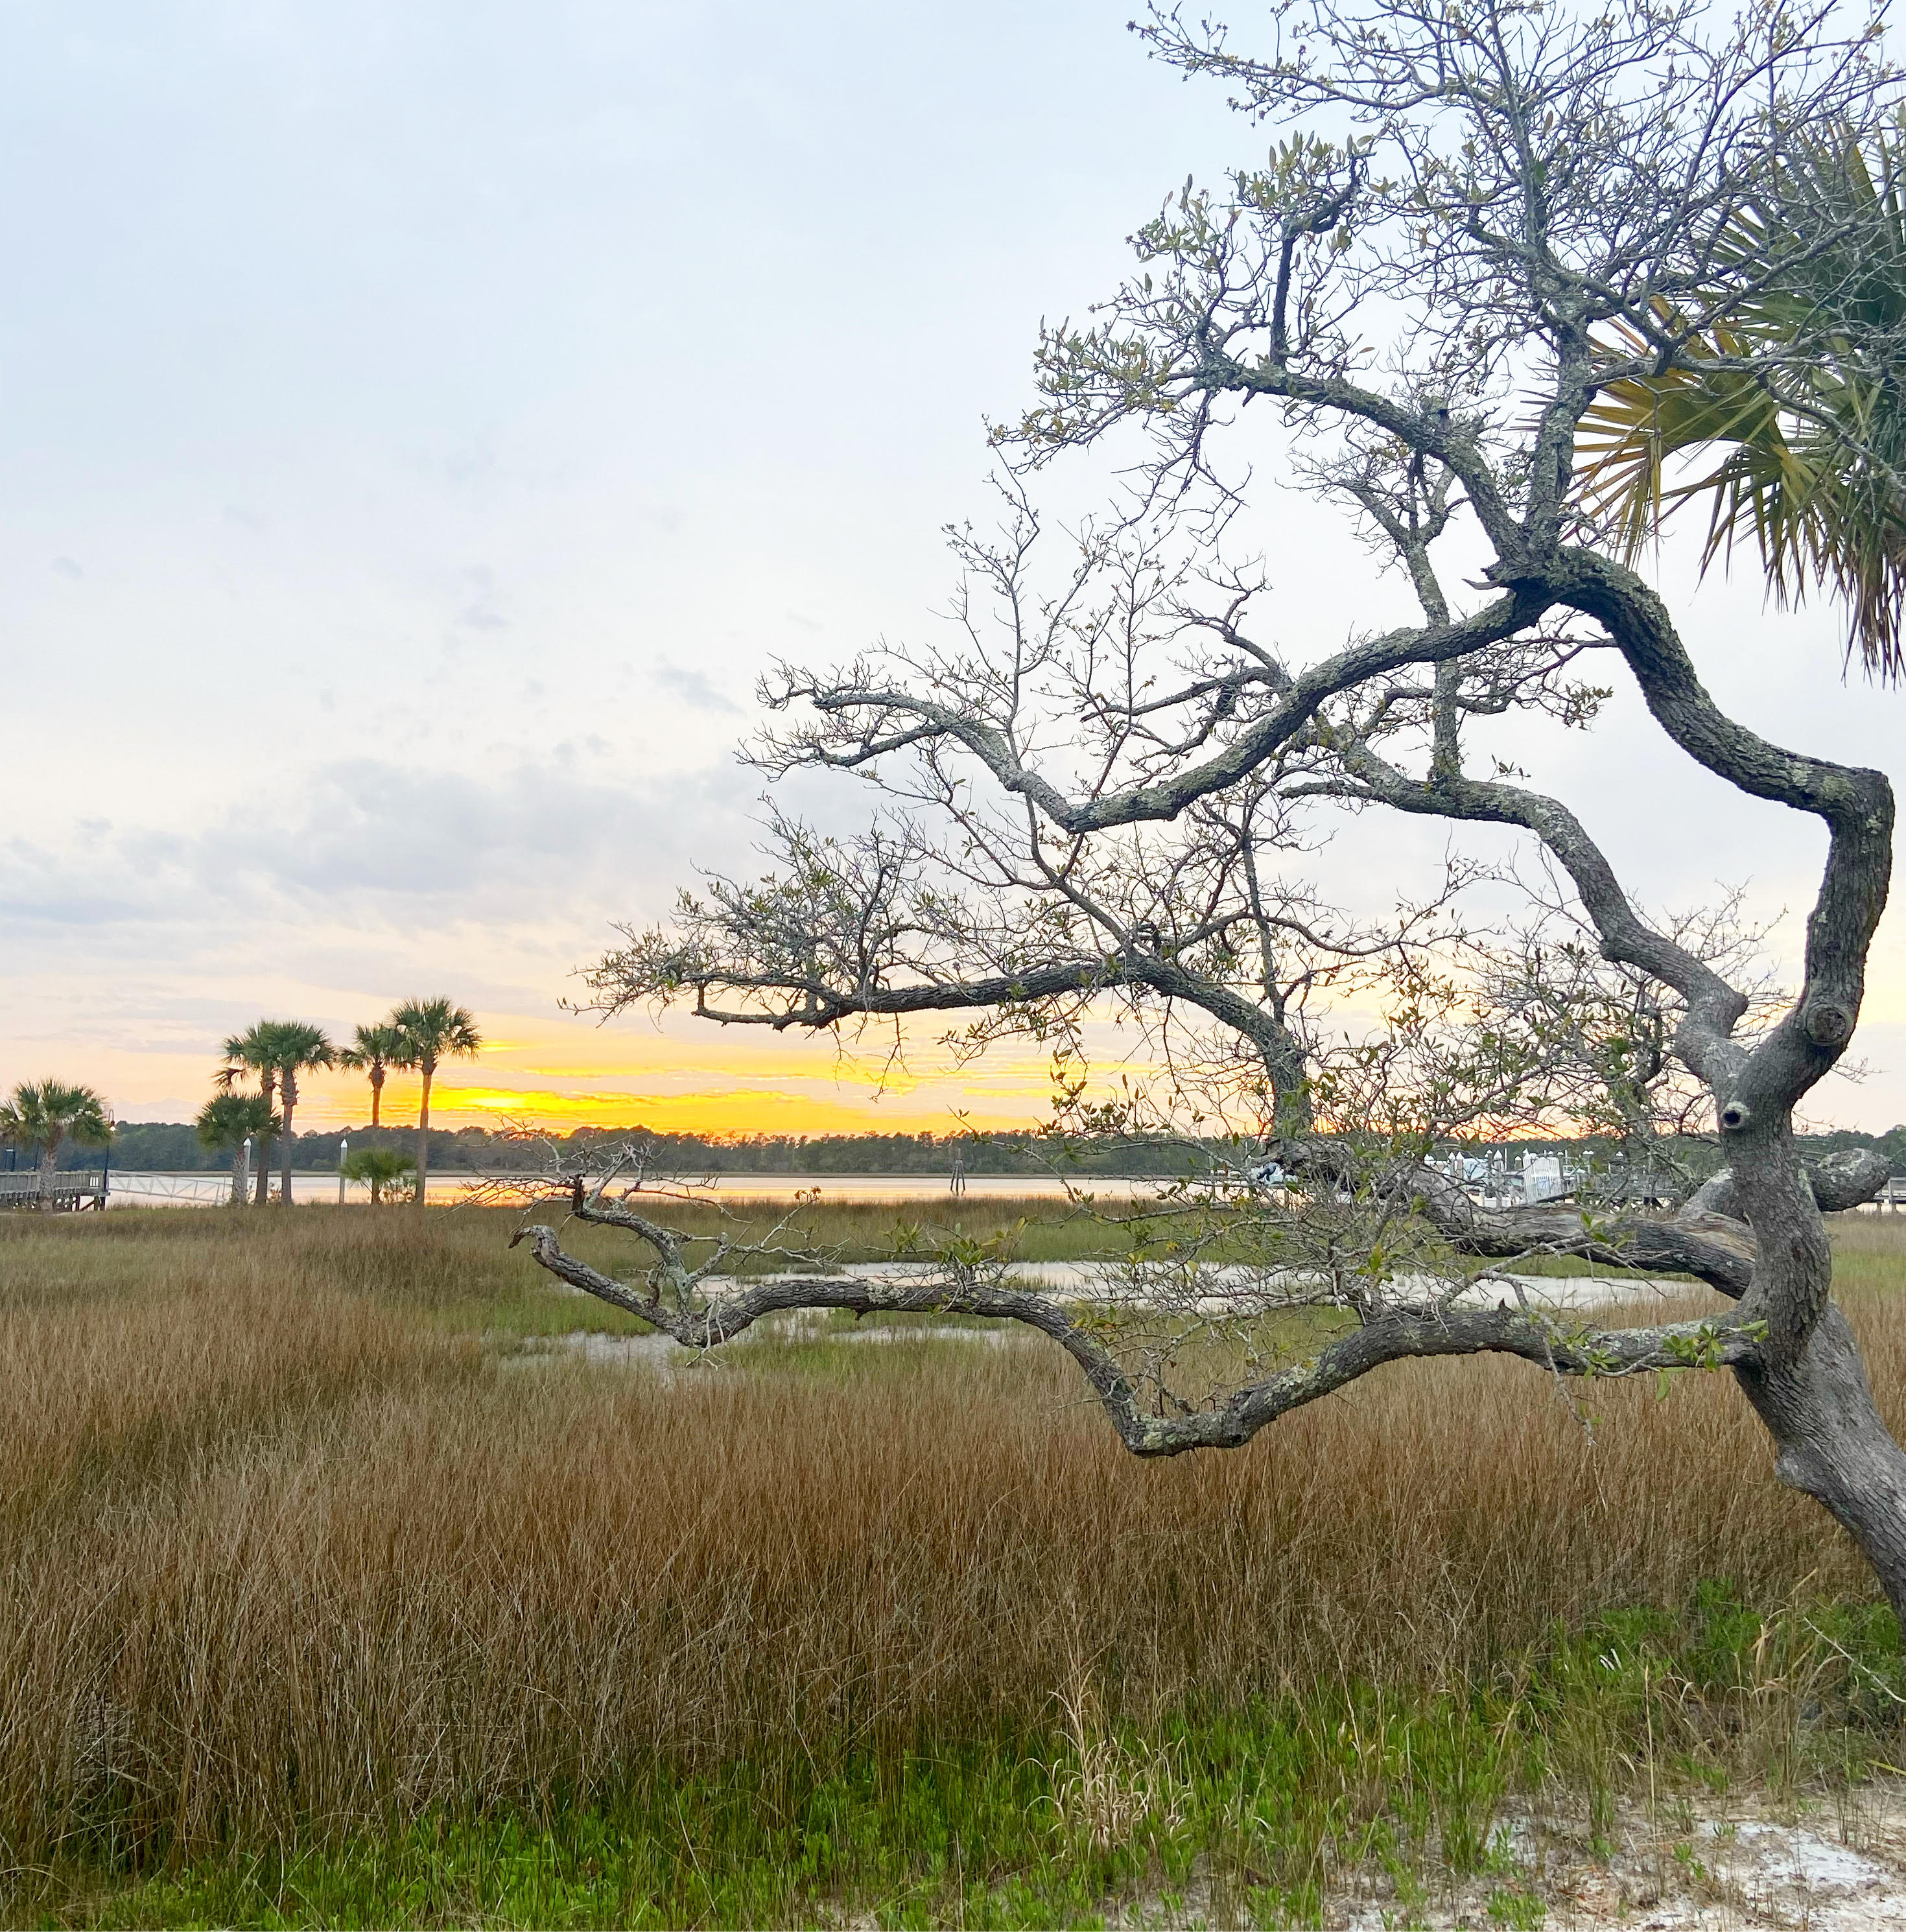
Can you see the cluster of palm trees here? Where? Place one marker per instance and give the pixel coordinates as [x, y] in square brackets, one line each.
[419, 1034]
[41, 1116]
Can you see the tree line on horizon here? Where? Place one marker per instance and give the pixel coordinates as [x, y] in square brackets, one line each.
[174, 1145]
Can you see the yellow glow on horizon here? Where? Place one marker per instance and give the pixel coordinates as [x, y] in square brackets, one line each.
[738, 1110]
[688, 1077]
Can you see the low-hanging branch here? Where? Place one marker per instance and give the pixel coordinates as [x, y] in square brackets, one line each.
[1401, 1334]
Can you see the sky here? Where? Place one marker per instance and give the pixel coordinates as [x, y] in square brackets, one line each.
[419, 426]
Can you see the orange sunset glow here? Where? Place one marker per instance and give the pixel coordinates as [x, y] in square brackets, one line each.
[682, 1077]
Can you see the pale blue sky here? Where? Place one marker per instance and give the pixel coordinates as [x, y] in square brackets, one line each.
[417, 423]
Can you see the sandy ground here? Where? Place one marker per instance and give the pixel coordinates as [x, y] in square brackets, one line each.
[1731, 1867]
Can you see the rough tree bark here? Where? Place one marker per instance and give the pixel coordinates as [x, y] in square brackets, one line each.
[268, 1088]
[288, 1096]
[426, 1066]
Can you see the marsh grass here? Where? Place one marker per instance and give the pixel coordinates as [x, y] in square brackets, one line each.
[315, 1611]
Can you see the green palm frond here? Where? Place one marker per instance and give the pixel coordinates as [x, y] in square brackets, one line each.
[40, 1115]
[228, 1119]
[1812, 469]
[373, 1046]
[434, 1030]
[274, 1048]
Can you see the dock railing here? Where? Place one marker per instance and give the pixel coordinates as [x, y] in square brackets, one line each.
[60, 1192]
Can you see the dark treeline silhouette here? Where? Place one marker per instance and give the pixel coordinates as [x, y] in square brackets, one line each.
[174, 1147]
[169, 1148]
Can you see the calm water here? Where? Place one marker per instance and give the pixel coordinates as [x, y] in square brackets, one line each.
[205, 1189]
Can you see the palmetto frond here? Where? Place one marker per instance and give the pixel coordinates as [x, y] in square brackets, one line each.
[298, 1045]
[274, 1048]
[40, 1114]
[434, 1030]
[228, 1119]
[382, 1165]
[1802, 395]
[373, 1046]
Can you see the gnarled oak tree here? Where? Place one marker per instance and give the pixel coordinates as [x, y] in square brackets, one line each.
[1111, 784]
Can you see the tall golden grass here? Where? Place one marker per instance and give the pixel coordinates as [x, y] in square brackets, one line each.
[291, 1547]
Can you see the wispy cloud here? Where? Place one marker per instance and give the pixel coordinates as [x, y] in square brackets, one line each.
[693, 688]
[365, 840]
[482, 605]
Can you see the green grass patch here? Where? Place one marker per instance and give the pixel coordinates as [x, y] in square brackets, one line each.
[1254, 1811]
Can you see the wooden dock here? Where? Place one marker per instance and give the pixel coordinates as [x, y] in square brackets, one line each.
[63, 1193]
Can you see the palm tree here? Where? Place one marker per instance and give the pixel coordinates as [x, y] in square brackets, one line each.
[432, 1031]
[42, 1115]
[255, 1053]
[375, 1048]
[275, 1052]
[229, 1121]
[300, 1048]
[379, 1165]
[1803, 390]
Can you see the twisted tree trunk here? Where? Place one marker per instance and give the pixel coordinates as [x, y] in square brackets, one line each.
[1832, 1443]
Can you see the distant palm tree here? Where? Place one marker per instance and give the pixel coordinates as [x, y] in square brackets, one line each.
[229, 1121]
[375, 1048]
[42, 1115]
[274, 1052]
[255, 1054]
[433, 1030]
[301, 1048]
[379, 1165]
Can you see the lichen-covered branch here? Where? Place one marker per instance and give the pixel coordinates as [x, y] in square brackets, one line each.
[1400, 1335]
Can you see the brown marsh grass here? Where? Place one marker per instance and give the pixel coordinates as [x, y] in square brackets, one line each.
[296, 1542]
